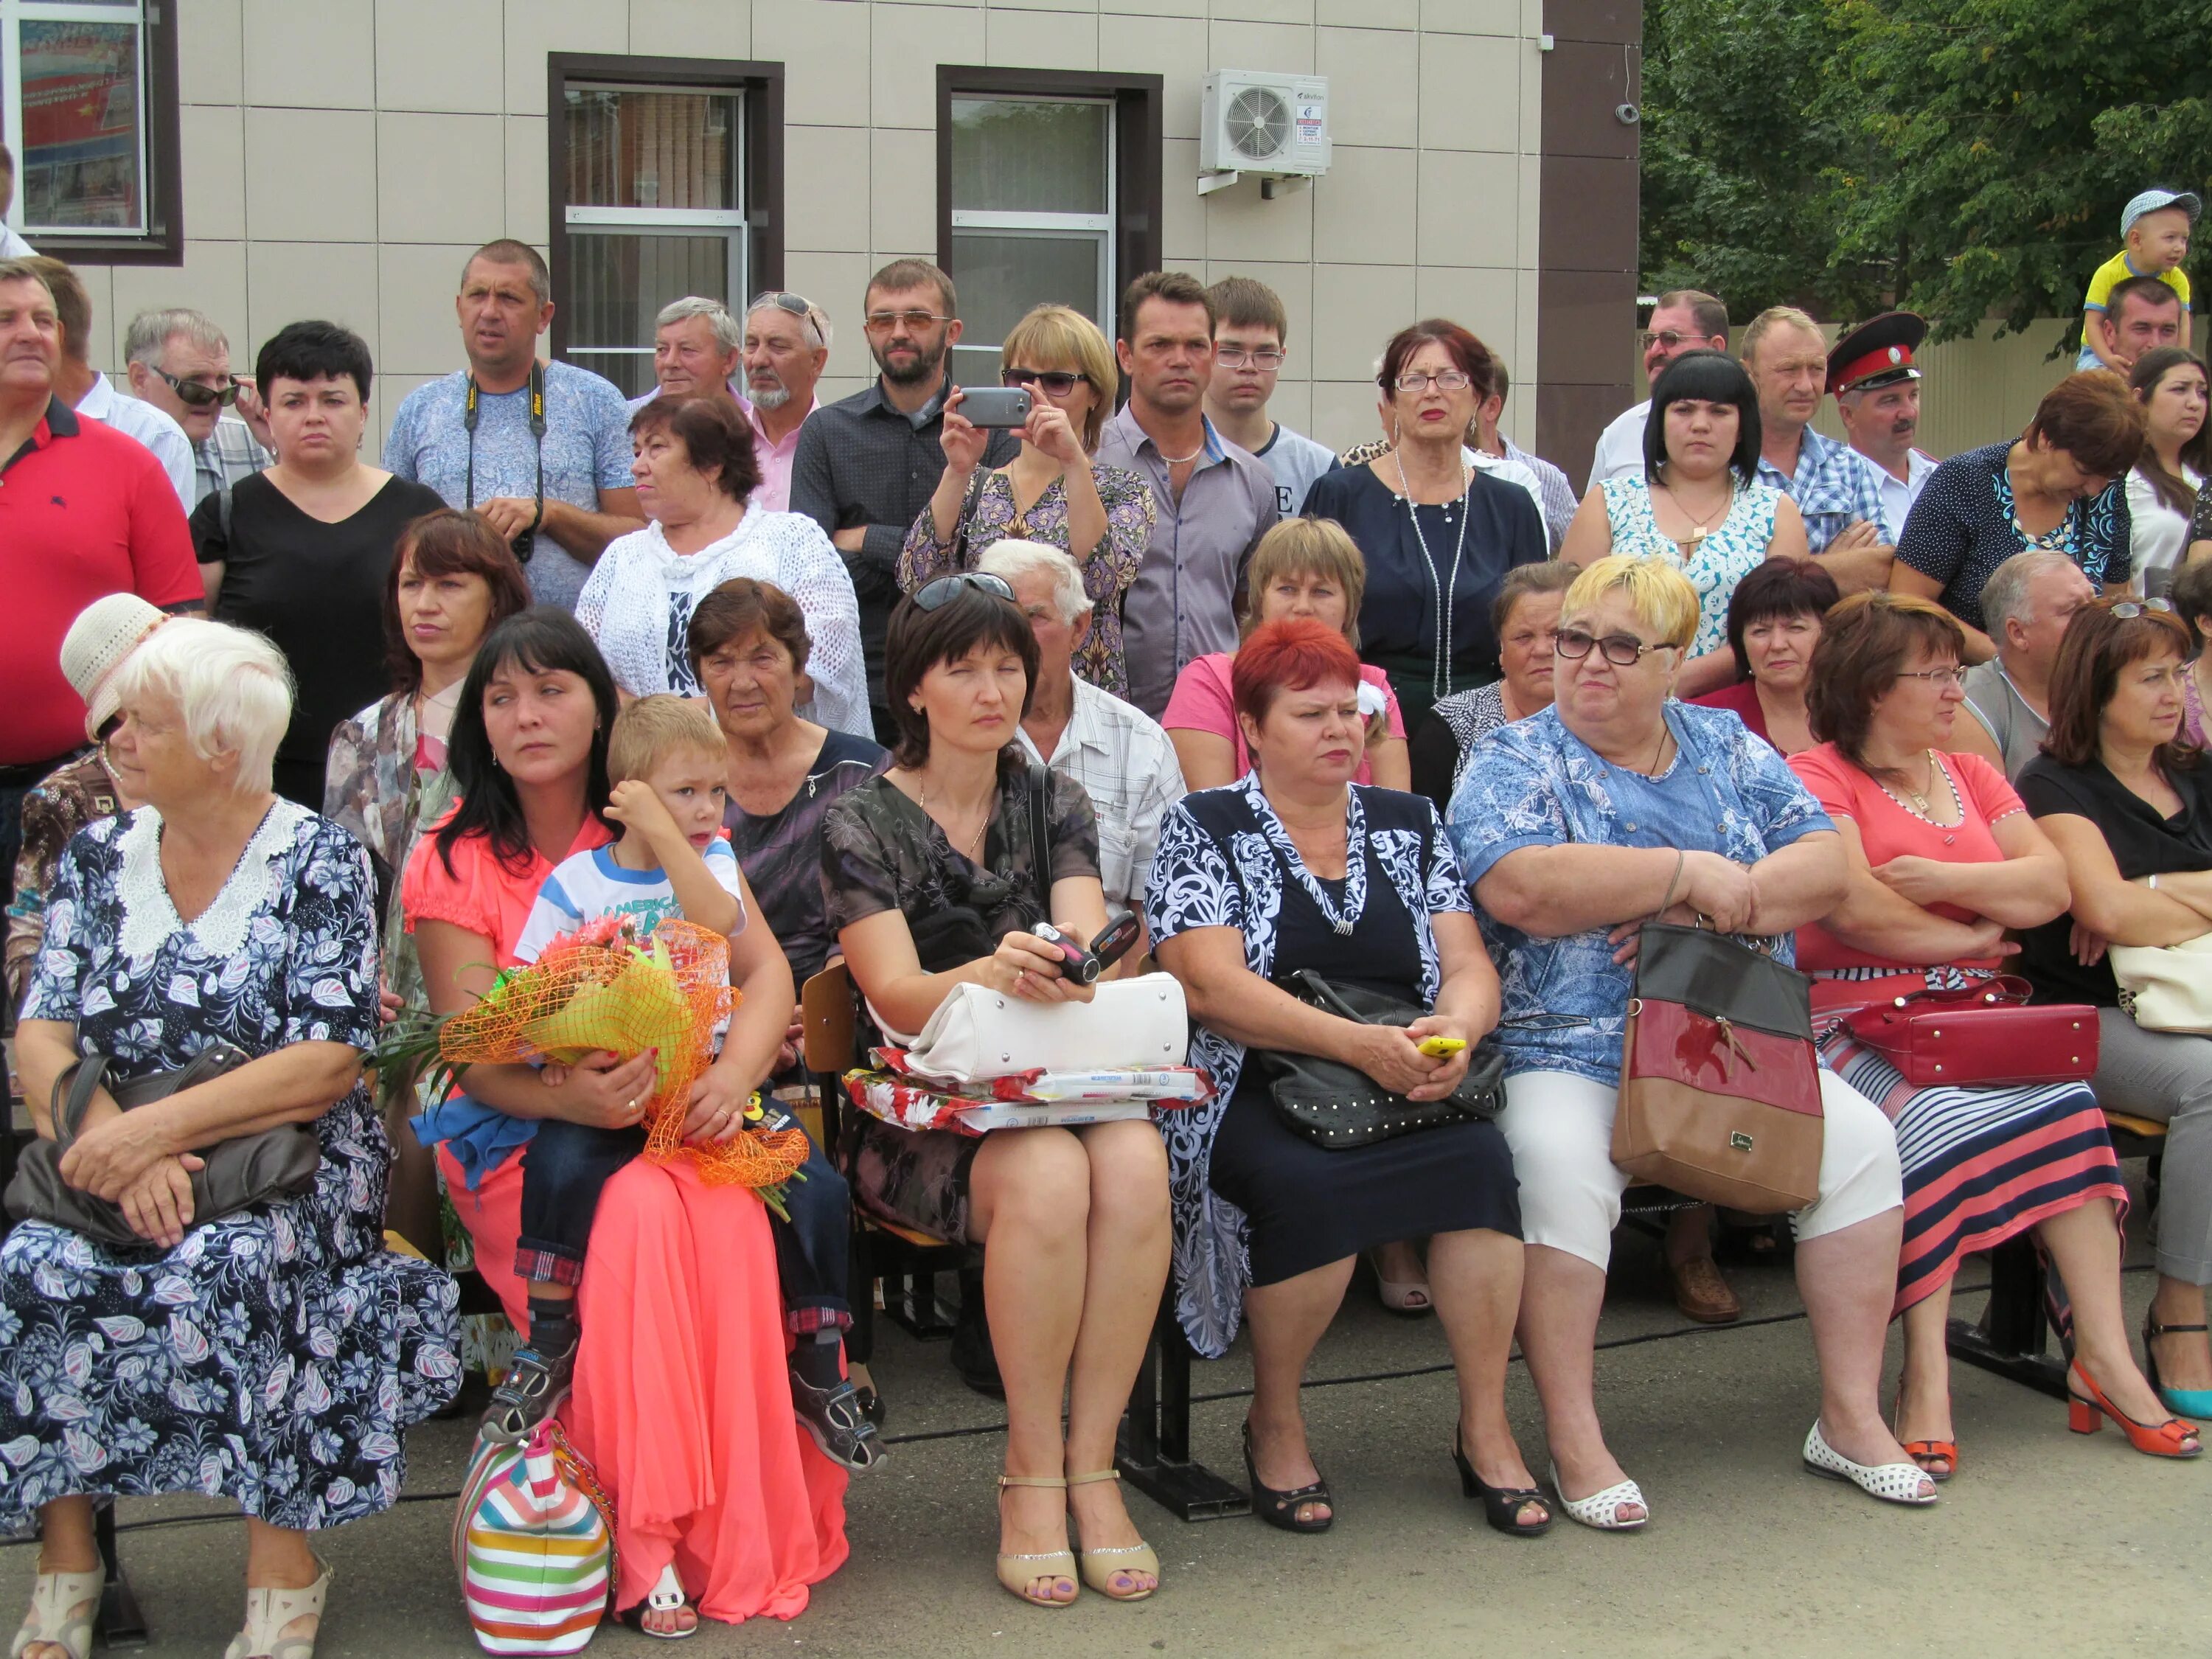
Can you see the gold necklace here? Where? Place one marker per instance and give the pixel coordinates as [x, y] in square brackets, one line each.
[975, 842]
[1699, 531]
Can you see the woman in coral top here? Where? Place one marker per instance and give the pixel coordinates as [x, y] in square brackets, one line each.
[1944, 863]
[724, 1506]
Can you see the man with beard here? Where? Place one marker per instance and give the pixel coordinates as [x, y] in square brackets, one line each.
[786, 346]
[1838, 490]
[866, 465]
[1878, 395]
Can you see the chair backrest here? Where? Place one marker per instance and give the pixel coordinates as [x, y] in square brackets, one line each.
[827, 1013]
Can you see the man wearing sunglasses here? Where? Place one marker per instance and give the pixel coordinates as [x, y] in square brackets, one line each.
[1684, 320]
[787, 347]
[179, 362]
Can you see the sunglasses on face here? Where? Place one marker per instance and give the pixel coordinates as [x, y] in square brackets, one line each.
[882, 322]
[1055, 382]
[1646, 338]
[194, 395]
[945, 589]
[1622, 650]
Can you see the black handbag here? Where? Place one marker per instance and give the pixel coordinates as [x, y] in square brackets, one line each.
[239, 1172]
[1337, 1106]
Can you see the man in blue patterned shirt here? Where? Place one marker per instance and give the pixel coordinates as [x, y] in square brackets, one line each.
[1837, 489]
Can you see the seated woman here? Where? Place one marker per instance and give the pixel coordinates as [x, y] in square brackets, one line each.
[2128, 804]
[1944, 861]
[276, 1355]
[1576, 825]
[1294, 868]
[932, 882]
[724, 1508]
[2192, 598]
[1773, 626]
[1053, 491]
[1525, 615]
[1698, 506]
[1302, 568]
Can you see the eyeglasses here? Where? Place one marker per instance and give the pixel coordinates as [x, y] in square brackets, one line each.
[1452, 380]
[945, 589]
[2128, 610]
[1622, 650]
[196, 396]
[1941, 678]
[882, 322]
[1646, 338]
[1056, 382]
[1230, 357]
[796, 304]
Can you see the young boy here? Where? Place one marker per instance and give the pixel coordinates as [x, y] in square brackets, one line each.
[669, 766]
[2156, 227]
[1249, 349]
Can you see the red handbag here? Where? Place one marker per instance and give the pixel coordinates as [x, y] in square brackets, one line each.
[1984, 1034]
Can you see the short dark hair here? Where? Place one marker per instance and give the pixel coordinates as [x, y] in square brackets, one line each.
[2192, 598]
[2096, 647]
[1865, 642]
[1705, 377]
[712, 434]
[2152, 290]
[1177, 288]
[2094, 419]
[7, 161]
[904, 276]
[506, 251]
[1500, 382]
[1459, 343]
[72, 304]
[314, 351]
[448, 542]
[1712, 318]
[740, 606]
[1247, 302]
[918, 640]
[1776, 587]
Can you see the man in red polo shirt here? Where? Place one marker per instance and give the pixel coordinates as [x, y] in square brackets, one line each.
[84, 511]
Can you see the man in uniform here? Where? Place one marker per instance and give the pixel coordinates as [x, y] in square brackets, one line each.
[1877, 391]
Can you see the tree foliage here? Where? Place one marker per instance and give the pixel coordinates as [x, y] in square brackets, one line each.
[1967, 158]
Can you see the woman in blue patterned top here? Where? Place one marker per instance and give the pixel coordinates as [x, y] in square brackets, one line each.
[1290, 868]
[1574, 827]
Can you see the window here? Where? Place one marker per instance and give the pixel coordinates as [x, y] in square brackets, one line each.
[660, 188]
[1049, 186]
[89, 107]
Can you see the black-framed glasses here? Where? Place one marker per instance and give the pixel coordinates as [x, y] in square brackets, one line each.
[945, 589]
[1230, 357]
[1450, 379]
[879, 322]
[2128, 610]
[1622, 650]
[1057, 382]
[194, 395]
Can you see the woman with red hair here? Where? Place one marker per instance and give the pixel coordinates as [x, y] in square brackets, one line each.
[1295, 867]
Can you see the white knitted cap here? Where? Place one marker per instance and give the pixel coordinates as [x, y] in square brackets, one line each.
[105, 632]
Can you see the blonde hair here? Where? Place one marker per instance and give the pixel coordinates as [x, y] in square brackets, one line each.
[1660, 595]
[1321, 547]
[651, 729]
[1059, 337]
[231, 685]
[1767, 321]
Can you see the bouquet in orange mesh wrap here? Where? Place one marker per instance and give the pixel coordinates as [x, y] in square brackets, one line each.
[603, 988]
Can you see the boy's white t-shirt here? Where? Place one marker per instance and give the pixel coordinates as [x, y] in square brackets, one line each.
[592, 886]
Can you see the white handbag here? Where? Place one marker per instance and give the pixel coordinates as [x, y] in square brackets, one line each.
[2166, 988]
[978, 1034]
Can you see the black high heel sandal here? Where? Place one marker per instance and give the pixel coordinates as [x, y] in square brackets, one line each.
[1502, 1505]
[1281, 1509]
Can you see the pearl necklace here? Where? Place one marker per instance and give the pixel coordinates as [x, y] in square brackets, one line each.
[1440, 667]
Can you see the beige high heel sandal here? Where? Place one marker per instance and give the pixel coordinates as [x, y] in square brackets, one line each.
[55, 1599]
[1016, 1572]
[267, 1613]
[1099, 1565]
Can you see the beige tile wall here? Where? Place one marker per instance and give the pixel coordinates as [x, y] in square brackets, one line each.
[341, 158]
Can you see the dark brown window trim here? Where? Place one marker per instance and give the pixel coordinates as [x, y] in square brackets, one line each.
[763, 85]
[1137, 144]
[163, 242]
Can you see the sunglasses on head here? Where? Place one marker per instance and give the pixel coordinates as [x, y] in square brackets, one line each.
[2128, 610]
[794, 303]
[945, 589]
[195, 395]
[1056, 382]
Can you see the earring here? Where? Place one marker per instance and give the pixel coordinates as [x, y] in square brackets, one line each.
[494, 760]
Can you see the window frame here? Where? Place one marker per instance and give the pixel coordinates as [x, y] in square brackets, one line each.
[1134, 171]
[162, 242]
[760, 157]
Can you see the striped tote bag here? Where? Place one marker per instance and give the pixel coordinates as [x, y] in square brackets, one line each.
[533, 1543]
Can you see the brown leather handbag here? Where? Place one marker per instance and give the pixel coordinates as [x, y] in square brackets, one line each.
[1720, 1085]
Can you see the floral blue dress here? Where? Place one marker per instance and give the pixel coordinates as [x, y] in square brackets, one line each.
[1735, 548]
[277, 1356]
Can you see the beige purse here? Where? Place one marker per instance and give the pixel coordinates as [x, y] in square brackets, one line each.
[2166, 988]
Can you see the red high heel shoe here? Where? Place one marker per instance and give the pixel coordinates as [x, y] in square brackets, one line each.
[2172, 1438]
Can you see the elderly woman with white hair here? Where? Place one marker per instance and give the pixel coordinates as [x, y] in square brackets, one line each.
[274, 1353]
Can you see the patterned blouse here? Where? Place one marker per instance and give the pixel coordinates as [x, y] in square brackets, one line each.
[1965, 524]
[372, 787]
[1217, 867]
[1733, 548]
[1106, 574]
[67, 799]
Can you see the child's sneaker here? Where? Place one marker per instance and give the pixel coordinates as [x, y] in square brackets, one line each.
[535, 1385]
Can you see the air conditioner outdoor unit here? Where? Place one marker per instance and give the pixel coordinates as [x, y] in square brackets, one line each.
[1275, 126]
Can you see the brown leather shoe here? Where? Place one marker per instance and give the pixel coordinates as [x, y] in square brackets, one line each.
[1702, 1294]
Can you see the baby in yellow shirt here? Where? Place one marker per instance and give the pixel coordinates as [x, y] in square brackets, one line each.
[2156, 227]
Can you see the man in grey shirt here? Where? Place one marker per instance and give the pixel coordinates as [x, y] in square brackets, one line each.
[2027, 602]
[1215, 500]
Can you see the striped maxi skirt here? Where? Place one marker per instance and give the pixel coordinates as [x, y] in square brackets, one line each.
[1981, 1164]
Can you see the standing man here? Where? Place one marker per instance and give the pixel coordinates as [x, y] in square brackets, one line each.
[180, 362]
[1685, 320]
[695, 347]
[1215, 500]
[84, 512]
[1555, 496]
[540, 450]
[1878, 396]
[1837, 489]
[12, 246]
[866, 465]
[2142, 314]
[1249, 349]
[89, 392]
[787, 347]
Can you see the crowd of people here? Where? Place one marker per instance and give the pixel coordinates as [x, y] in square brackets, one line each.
[299, 742]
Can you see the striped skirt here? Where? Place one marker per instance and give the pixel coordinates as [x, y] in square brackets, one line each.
[1981, 1164]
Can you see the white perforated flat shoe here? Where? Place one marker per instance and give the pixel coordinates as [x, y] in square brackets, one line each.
[63, 1606]
[1602, 1509]
[1892, 1483]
